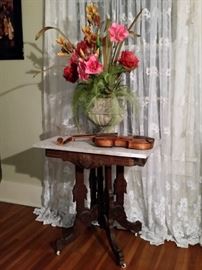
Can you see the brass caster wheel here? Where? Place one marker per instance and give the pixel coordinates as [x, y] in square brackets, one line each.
[58, 252]
[123, 265]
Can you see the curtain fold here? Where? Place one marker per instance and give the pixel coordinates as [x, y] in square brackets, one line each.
[165, 195]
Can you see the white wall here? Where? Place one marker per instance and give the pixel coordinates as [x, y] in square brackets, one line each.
[21, 116]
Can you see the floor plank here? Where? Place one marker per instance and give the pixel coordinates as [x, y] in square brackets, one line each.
[26, 244]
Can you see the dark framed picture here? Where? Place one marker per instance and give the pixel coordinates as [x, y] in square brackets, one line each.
[11, 37]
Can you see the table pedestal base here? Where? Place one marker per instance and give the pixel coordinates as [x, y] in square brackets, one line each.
[106, 207]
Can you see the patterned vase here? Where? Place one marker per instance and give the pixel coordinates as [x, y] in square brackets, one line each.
[106, 113]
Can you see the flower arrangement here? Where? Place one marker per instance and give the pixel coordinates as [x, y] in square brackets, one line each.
[96, 63]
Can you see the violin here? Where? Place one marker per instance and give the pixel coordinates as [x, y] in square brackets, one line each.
[112, 140]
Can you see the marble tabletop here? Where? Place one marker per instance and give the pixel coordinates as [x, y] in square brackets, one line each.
[89, 147]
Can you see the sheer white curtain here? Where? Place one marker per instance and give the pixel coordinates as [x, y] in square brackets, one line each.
[169, 85]
[165, 194]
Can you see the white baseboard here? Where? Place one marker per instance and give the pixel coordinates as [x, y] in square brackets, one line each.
[20, 193]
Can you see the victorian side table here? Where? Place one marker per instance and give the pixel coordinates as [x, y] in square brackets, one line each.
[107, 199]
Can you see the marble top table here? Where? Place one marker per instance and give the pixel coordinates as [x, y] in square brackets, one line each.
[107, 196]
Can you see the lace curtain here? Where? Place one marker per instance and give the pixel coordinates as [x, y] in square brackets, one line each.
[165, 195]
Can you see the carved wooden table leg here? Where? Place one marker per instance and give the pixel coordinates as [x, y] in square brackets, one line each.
[83, 217]
[93, 187]
[100, 198]
[120, 185]
[108, 217]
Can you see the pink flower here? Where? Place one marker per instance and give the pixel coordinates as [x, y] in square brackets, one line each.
[118, 32]
[129, 60]
[93, 66]
[82, 70]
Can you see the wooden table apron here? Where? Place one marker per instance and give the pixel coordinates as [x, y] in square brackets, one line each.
[107, 200]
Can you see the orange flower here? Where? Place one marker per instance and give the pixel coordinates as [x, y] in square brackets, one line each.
[66, 46]
[91, 9]
[92, 14]
[89, 36]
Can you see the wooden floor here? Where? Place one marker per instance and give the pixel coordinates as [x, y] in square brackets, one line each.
[26, 244]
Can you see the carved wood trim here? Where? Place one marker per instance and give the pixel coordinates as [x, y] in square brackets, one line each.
[89, 161]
